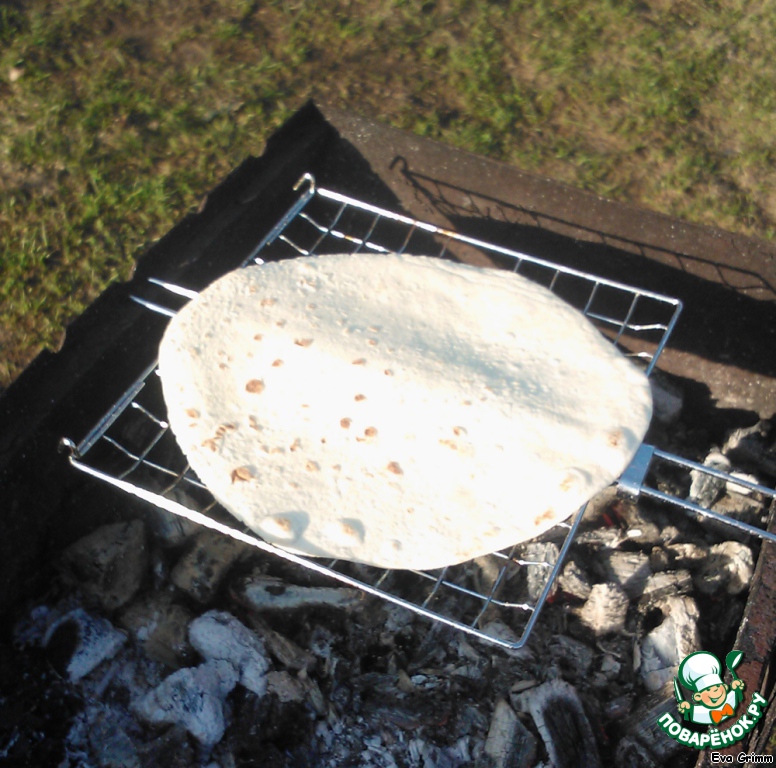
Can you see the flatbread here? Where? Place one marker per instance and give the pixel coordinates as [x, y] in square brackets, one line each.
[399, 411]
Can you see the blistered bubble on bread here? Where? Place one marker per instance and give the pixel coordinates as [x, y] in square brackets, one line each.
[400, 411]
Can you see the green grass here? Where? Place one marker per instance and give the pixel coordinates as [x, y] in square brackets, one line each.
[117, 117]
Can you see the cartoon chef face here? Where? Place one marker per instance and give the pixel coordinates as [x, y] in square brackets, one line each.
[700, 672]
[713, 696]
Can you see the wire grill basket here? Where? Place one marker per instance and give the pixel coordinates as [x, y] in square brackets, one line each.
[133, 449]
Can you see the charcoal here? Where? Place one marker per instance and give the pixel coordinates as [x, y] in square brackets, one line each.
[619, 707]
[218, 636]
[639, 528]
[201, 570]
[666, 583]
[285, 686]
[160, 626]
[81, 642]
[281, 648]
[267, 593]
[678, 556]
[109, 565]
[658, 655]
[563, 725]
[605, 609]
[539, 557]
[192, 697]
[643, 744]
[728, 569]
[752, 447]
[109, 742]
[572, 655]
[628, 570]
[573, 581]
[509, 744]
[705, 489]
[169, 529]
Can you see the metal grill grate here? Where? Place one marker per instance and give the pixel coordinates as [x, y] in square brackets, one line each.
[133, 448]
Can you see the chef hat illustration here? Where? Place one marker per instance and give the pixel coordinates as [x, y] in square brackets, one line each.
[700, 670]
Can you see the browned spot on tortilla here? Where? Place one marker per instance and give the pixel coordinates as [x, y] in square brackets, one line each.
[466, 402]
[395, 467]
[372, 342]
[254, 423]
[255, 386]
[303, 342]
[192, 413]
[449, 443]
[296, 445]
[268, 302]
[345, 423]
[360, 361]
[210, 444]
[280, 323]
[388, 372]
[283, 524]
[359, 398]
[349, 531]
[312, 466]
[241, 474]
[614, 438]
[567, 483]
[458, 431]
[370, 431]
[312, 306]
[277, 363]
[258, 337]
[336, 467]
[223, 366]
[548, 514]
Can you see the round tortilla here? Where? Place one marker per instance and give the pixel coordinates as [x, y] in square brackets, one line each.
[398, 411]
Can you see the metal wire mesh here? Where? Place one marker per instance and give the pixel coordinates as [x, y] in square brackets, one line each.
[132, 447]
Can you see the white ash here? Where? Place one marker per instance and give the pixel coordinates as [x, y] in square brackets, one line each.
[218, 636]
[728, 568]
[605, 609]
[658, 655]
[262, 593]
[705, 489]
[372, 686]
[193, 697]
[96, 641]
